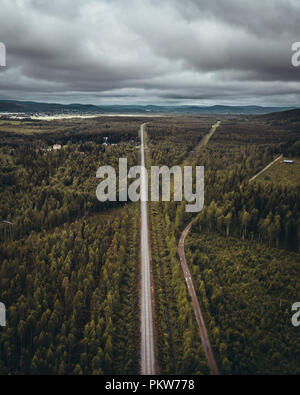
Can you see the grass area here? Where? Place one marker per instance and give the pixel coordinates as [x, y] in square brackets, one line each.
[28, 131]
[108, 126]
[11, 123]
[282, 173]
[19, 127]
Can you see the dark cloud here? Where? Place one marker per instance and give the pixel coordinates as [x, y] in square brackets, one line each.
[141, 51]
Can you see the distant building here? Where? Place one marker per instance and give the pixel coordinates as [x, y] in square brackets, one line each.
[56, 146]
[289, 161]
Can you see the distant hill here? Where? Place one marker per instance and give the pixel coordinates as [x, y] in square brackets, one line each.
[29, 107]
[290, 115]
[33, 107]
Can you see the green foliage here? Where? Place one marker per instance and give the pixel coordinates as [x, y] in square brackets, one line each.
[68, 276]
[245, 289]
[246, 292]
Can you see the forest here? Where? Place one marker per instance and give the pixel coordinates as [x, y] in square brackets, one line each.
[69, 269]
[242, 250]
[69, 265]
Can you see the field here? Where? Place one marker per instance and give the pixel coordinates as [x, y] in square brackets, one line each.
[19, 127]
[69, 127]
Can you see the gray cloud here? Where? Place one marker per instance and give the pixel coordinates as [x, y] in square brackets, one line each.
[141, 51]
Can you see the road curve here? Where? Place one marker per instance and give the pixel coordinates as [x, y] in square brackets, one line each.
[189, 282]
[147, 340]
[196, 306]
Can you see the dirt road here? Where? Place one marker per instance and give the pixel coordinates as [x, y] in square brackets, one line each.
[266, 168]
[189, 282]
[196, 306]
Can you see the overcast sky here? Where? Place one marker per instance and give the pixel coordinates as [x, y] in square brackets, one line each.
[150, 51]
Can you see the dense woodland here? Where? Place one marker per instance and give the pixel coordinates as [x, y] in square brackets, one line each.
[72, 299]
[69, 270]
[266, 212]
[41, 189]
[246, 291]
[245, 278]
[179, 347]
